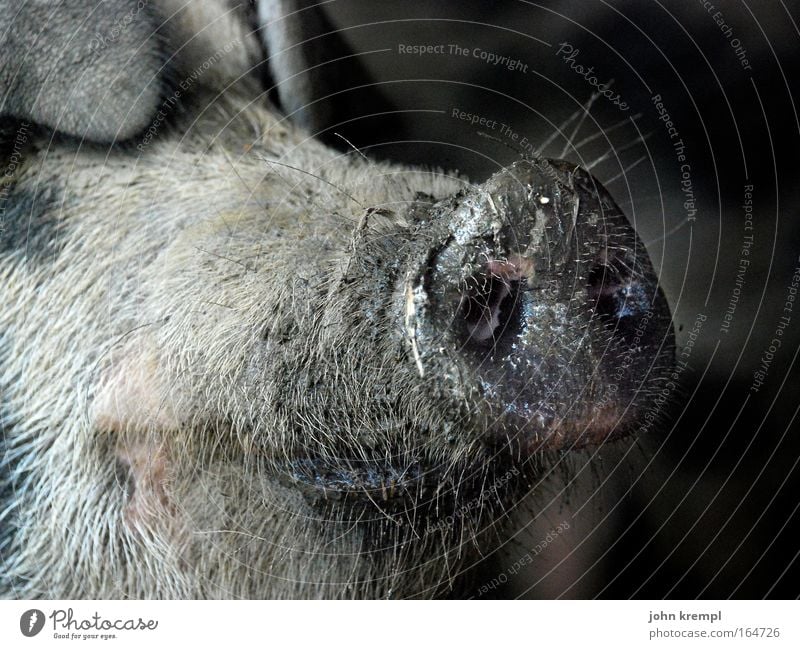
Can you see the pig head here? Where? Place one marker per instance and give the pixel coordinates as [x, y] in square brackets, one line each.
[238, 362]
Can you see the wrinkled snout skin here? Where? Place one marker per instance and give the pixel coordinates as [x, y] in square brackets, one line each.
[538, 302]
[268, 369]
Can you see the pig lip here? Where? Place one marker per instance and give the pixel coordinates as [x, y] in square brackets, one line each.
[604, 426]
[379, 483]
[427, 489]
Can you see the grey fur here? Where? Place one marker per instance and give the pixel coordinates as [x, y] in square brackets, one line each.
[248, 369]
[31, 226]
[88, 69]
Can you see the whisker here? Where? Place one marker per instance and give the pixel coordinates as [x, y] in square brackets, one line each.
[354, 147]
[250, 191]
[505, 143]
[613, 150]
[577, 128]
[604, 131]
[669, 232]
[559, 130]
[308, 173]
[625, 171]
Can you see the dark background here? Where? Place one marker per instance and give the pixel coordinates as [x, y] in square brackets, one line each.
[707, 506]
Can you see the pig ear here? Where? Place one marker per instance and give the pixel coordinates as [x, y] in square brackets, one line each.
[320, 82]
[88, 69]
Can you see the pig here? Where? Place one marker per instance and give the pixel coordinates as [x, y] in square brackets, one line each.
[237, 362]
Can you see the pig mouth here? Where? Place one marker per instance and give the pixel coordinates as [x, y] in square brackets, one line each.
[380, 483]
[426, 490]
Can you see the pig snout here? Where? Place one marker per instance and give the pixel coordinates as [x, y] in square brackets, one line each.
[525, 317]
[539, 303]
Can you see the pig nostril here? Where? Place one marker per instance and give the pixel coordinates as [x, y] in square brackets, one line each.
[487, 306]
[616, 297]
